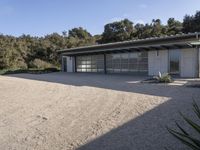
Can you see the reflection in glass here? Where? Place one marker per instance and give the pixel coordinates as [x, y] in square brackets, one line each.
[127, 62]
[115, 63]
[90, 63]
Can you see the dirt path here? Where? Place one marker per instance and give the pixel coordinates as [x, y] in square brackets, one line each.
[87, 115]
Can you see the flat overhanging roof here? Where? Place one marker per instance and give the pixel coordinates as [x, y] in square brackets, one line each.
[156, 43]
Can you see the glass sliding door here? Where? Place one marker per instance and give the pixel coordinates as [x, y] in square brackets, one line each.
[174, 62]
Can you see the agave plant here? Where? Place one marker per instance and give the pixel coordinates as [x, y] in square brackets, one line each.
[163, 78]
[185, 137]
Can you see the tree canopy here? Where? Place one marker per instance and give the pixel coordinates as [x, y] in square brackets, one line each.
[191, 23]
[117, 31]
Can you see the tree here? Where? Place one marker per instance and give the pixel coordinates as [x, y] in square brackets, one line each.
[79, 33]
[157, 28]
[191, 23]
[173, 26]
[197, 21]
[79, 37]
[139, 31]
[117, 31]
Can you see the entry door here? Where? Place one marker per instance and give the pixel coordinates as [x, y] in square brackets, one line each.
[64, 61]
[174, 62]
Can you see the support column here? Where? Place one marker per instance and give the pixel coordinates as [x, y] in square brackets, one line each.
[75, 70]
[63, 63]
[61, 58]
[104, 57]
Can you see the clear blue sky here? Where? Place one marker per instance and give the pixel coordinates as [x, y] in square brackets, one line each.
[41, 17]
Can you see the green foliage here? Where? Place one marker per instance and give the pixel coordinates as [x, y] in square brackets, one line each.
[191, 23]
[39, 52]
[31, 71]
[117, 31]
[185, 137]
[79, 37]
[79, 33]
[157, 29]
[173, 26]
[164, 78]
[40, 64]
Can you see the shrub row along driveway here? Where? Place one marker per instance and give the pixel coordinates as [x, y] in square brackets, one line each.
[88, 111]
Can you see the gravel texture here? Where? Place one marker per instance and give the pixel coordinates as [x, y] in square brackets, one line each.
[61, 111]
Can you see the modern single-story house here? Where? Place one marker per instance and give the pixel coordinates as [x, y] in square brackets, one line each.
[178, 55]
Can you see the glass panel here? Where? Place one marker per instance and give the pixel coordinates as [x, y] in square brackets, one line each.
[127, 62]
[133, 67]
[117, 63]
[90, 63]
[174, 58]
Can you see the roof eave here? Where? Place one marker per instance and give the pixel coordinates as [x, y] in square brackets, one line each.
[187, 38]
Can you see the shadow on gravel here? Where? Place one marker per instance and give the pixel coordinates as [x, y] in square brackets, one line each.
[125, 83]
[148, 131]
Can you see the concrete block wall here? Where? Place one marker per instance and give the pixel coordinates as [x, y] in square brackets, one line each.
[157, 62]
[198, 61]
[188, 62]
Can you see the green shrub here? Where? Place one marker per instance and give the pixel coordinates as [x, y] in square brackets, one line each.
[185, 137]
[164, 78]
[21, 65]
[31, 71]
[40, 64]
[12, 71]
[51, 69]
[42, 71]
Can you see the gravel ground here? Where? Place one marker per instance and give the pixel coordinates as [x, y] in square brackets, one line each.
[90, 112]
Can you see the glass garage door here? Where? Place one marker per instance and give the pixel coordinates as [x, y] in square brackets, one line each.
[90, 63]
[133, 62]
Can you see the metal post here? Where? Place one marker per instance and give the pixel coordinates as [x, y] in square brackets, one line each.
[62, 65]
[75, 69]
[104, 57]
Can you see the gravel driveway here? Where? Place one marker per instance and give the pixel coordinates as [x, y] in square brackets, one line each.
[61, 111]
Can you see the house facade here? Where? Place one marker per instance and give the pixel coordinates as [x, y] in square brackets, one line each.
[177, 55]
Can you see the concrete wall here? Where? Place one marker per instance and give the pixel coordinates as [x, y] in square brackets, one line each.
[198, 61]
[188, 63]
[157, 62]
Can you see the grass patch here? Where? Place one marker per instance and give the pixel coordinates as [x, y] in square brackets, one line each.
[30, 70]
